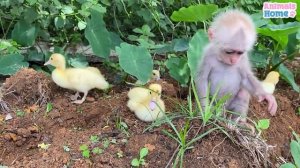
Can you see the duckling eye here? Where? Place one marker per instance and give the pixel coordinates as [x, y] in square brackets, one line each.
[150, 92]
[153, 73]
[51, 58]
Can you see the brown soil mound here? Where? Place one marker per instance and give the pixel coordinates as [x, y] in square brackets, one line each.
[68, 126]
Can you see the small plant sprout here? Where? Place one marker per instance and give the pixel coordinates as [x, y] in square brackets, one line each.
[84, 151]
[94, 138]
[105, 143]
[261, 125]
[97, 150]
[49, 107]
[122, 126]
[295, 150]
[20, 113]
[136, 162]
[298, 111]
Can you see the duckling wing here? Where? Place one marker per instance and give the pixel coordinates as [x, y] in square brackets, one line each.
[83, 79]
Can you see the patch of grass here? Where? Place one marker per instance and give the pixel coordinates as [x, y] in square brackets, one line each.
[122, 126]
[136, 162]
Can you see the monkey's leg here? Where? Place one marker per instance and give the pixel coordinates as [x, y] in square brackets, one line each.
[240, 105]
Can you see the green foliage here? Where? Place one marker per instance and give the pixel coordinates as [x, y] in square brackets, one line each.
[97, 35]
[20, 113]
[194, 53]
[136, 162]
[85, 151]
[136, 61]
[94, 138]
[194, 13]
[11, 63]
[178, 69]
[295, 150]
[25, 33]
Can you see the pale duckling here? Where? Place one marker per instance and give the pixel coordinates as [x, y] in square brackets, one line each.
[146, 103]
[155, 76]
[78, 79]
[270, 82]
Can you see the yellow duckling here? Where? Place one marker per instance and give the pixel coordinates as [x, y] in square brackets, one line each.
[155, 76]
[78, 79]
[270, 82]
[146, 103]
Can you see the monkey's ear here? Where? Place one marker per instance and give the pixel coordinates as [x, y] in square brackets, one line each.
[210, 34]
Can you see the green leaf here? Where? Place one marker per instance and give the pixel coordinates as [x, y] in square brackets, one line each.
[31, 2]
[49, 107]
[67, 10]
[259, 58]
[135, 162]
[136, 61]
[295, 150]
[30, 15]
[258, 19]
[194, 13]
[288, 165]
[83, 147]
[115, 40]
[180, 44]
[288, 76]
[81, 25]
[34, 55]
[86, 154]
[97, 35]
[280, 32]
[178, 69]
[291, 47]
[24, 33]
[78, 61]
[195, 51]
[97, 150]
[263, 124]
[143, 152]
[59, 22]
[11, 63]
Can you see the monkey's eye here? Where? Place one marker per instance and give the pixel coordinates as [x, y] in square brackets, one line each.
[239, 52]
[229, 52]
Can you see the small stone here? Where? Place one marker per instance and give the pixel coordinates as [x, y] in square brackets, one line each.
[90, 99]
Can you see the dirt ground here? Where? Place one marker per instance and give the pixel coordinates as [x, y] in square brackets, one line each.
[68, 126]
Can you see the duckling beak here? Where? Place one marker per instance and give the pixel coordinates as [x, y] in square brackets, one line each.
[47, 63]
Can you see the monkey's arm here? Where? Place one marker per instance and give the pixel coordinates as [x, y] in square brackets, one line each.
[201, 81]
[254, 87]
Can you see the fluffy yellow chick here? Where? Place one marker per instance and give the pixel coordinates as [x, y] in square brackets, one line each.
[78, 79]
[146, 103]
[155, 76]
[270, 82]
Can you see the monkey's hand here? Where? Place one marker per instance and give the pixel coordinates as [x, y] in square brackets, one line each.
[272, 104]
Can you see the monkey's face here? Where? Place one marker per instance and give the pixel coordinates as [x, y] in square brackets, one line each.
[230, 56]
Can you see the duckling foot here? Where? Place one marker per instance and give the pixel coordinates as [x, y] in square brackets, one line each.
[74, 97]
[82, 100]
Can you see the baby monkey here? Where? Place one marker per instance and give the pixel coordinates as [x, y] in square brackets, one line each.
[225, 66]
